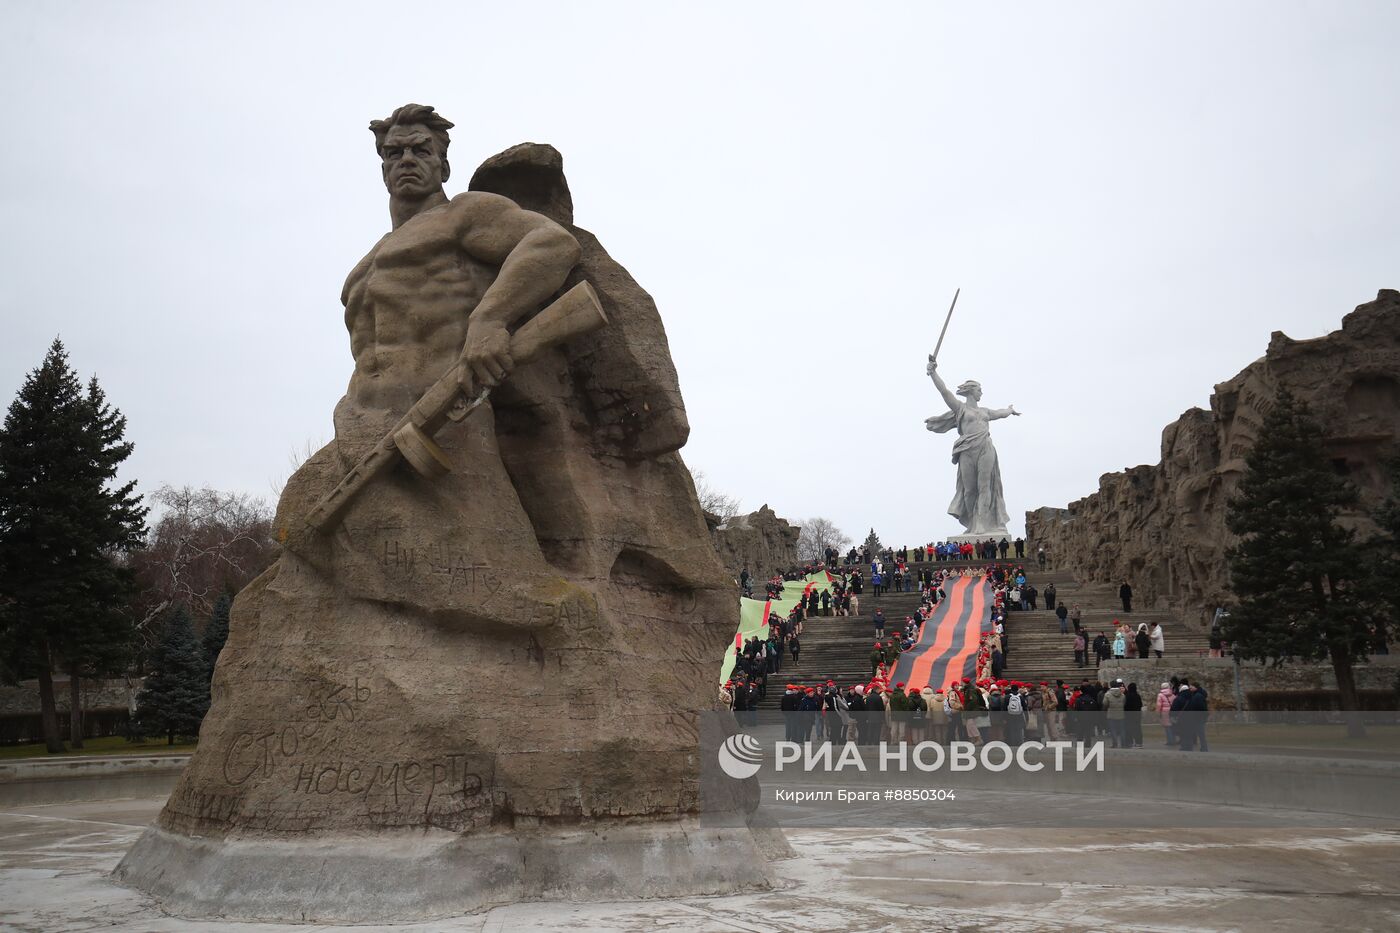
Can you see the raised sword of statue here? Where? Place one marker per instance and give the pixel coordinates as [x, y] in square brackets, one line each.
[933, 357]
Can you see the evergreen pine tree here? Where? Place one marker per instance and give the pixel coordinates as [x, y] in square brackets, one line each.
[216, 631]
[99, 634]
[1299, 575]
[175, 696]
[61, 595]
[872, 543]
[1384, 551]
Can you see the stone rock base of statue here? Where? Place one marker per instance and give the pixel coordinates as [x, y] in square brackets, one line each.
[435, 874]
[364, 763]
[369, 761]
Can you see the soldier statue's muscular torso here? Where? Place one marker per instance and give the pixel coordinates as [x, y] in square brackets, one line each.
[407, 304]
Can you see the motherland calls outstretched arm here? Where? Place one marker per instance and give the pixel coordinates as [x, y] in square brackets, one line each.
[535, 255]
[954, 403]
[994, 413]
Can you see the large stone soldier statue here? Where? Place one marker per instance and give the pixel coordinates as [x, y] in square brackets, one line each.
[430, 695]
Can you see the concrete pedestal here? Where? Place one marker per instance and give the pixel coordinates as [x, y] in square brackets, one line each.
[978, 539]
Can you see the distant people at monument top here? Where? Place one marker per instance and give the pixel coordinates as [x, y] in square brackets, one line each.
[888, 560]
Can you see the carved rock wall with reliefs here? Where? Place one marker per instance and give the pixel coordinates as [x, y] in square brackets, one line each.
[1162, 527]
[760, 541]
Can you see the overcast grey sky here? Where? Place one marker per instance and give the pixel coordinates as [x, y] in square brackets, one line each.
[1131, 197]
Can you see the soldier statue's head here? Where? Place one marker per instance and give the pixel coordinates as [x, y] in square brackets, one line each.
[413, 146]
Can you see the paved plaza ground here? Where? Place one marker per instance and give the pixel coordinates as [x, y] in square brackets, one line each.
[1029, 873]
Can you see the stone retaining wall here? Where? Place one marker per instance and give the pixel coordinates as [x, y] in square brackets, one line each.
[1218, 676]
[28, 781]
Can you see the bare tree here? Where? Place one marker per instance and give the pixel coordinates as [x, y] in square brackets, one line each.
[203, 543]
[295, 457]
[816, 536]
[714, 501]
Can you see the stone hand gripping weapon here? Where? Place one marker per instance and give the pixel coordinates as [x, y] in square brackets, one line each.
[572, 314]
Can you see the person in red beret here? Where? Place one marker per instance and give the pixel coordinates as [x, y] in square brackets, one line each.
[875, 708]
[975, 715]
[891, 651]
[788, 705]
[996, 709]
[897, 719]
[808, 708]
[957, 729]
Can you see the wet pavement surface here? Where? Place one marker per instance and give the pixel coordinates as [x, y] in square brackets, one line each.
[1026, 870]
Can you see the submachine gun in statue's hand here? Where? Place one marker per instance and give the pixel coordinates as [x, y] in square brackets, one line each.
[574, 313]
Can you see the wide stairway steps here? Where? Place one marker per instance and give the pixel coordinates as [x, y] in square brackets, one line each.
[837, 648]
[1038, 652]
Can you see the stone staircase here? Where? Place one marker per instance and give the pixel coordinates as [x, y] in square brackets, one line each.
[1038, 652]
[838, 648]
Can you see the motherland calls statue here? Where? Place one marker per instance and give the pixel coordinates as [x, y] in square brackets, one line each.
[474, 673]
[979, 503]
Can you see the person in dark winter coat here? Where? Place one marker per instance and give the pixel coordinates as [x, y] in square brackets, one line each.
[1142, 641]
[807, 710]
[1125, 593]
[1132, 717]
[874, 718]
[1195, 713]
[789, 704]
[1181, 724]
